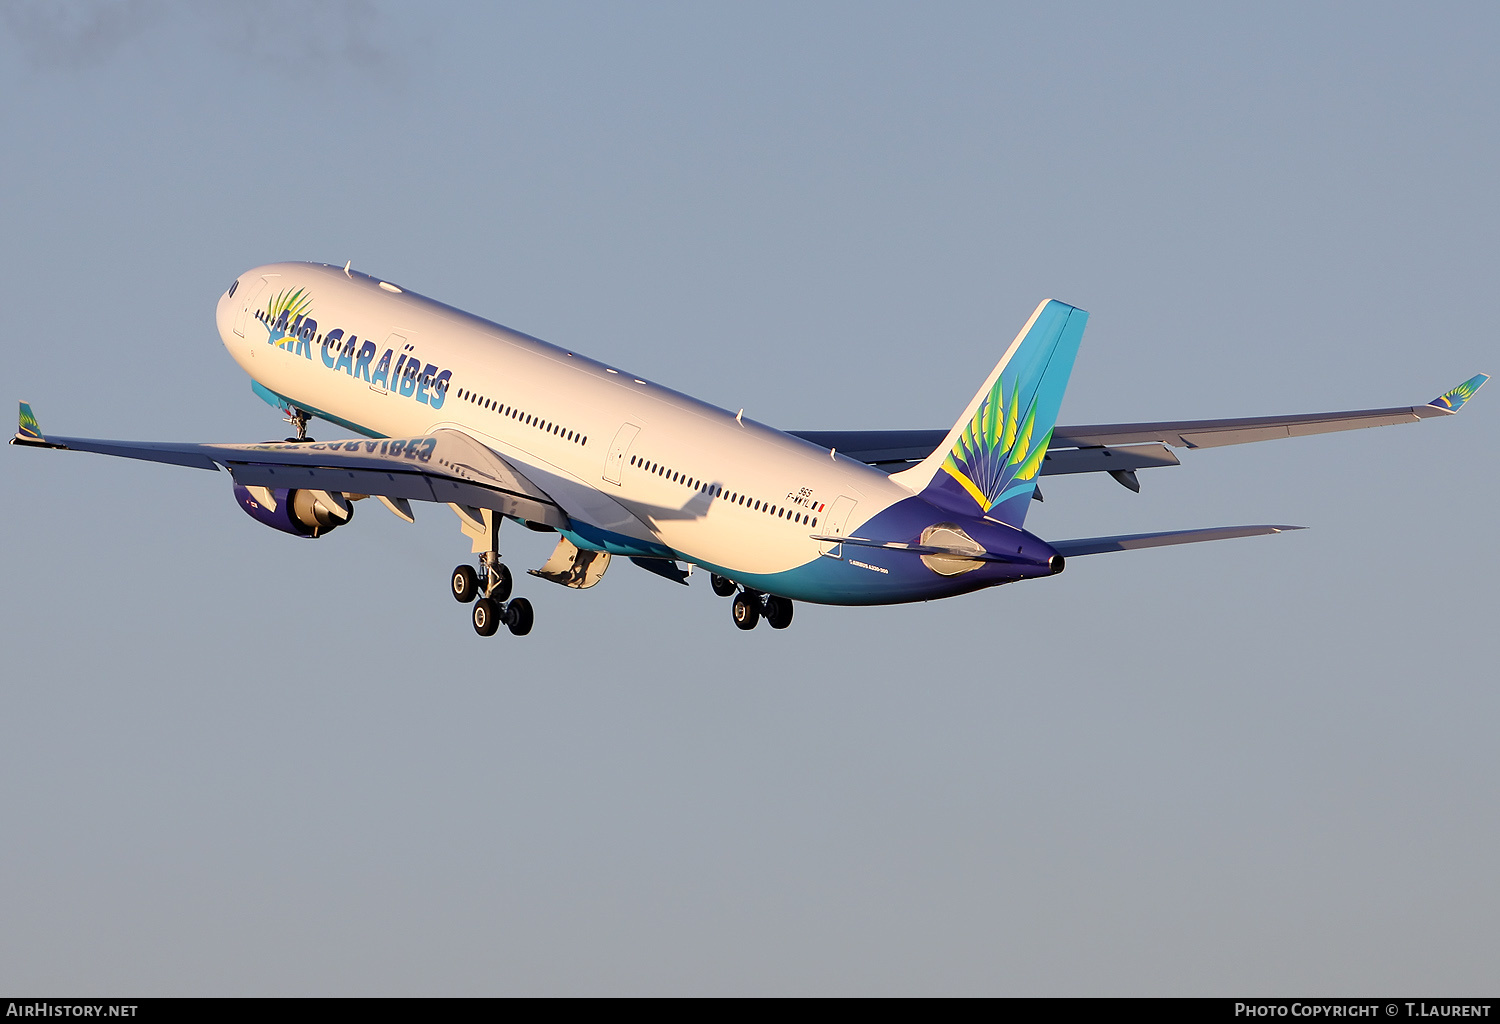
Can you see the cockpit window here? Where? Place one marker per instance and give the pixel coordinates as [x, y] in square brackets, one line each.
[233, 287]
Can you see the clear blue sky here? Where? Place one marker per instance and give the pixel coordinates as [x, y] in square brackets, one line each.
[237, 763]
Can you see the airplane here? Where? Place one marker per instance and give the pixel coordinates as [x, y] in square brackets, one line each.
[458, 410]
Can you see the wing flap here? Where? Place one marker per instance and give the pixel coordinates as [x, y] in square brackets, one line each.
[1124, 458]
[518, 505]
[352, 481]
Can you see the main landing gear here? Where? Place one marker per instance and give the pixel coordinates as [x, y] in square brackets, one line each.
[491, 610]
[489, 588]
[750, 606]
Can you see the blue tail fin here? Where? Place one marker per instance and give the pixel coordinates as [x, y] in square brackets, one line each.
[989, 461]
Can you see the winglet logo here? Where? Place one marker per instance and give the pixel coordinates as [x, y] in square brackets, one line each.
[1455, 399]
[996, 449]
[29, 428]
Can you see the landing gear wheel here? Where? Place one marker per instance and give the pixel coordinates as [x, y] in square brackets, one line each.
[778, 612]
[499, 584]
[518, 617]
[723, 587]
[465, 584]
[486, 617]
[746, 610]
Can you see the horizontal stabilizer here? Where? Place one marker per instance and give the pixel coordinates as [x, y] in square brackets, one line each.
[1128, 542]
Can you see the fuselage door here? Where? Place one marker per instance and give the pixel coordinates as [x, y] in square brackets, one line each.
[838, 518]
[252, 293]
[614, 462]
[393, 343]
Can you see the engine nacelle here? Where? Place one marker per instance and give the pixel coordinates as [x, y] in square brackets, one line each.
[302, 513]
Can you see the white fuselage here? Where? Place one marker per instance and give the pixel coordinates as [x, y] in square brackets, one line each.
[635, 461]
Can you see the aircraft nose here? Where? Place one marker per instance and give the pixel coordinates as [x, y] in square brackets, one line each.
[223, 313]
[232, 315]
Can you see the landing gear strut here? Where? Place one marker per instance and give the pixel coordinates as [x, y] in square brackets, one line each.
[496, 580]
[489, 588]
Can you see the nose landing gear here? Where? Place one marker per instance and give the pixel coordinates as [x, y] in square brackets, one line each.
[298, 419]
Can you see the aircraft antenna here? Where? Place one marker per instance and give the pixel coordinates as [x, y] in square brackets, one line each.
[346, 270]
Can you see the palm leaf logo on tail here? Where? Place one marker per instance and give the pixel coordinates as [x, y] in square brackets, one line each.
[998, 449]
[998, 446]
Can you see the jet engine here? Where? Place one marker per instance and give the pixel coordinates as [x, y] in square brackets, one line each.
[302, 513]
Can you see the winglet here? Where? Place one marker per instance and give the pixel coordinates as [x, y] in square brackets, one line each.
[29, 432]
[29, 429]
[1454, 400]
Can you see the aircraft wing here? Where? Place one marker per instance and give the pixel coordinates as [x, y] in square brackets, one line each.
[444, 466]
[1120, 447]
[1213, 433]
